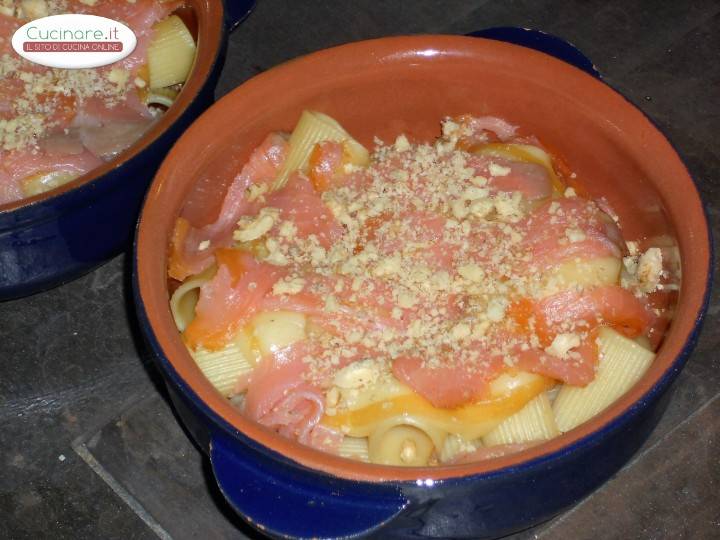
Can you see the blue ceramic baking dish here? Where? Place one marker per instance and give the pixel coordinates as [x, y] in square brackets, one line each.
[287, 490]
[55, 237]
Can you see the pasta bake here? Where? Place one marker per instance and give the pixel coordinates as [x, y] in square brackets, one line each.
[429, 302]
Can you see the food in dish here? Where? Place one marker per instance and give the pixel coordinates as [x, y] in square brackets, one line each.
[58, 124]
[429, 303]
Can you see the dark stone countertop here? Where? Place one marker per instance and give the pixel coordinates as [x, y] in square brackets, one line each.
[89, 446]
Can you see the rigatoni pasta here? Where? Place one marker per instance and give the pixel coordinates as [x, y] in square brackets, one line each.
[470, 421]
[426, 304]
[171, 53]
[223, 367]
[355, 448]
[454, 447]
[185, 297]
[313, 128]
[622, 363]
[526, 153]
[162, 96]
[401, 444]
[534, 422]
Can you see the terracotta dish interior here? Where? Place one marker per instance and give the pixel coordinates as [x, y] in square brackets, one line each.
[407, 84]
[205, 19]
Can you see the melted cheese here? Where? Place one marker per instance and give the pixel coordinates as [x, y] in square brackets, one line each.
[522, 152]
[469, 421]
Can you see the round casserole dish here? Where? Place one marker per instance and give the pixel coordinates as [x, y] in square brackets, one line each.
[405, 84]
[56, 236]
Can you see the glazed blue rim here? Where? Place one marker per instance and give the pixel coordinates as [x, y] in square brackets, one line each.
[589, 440]
[543, 42]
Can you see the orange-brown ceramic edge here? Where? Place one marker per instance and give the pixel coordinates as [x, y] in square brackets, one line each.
[157, 220]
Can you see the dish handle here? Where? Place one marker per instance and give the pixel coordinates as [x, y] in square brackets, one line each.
[291, 501]
[543, 42]
[236, 11]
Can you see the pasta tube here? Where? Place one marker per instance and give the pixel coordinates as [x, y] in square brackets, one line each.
[162, 96]
[586, 273]
[312, 128]
[644, 342]
[274, 330]
[223, 367]
[455, 446]
[387, 388]
[171, 53]
[185, 298]
[522, 152]
[534, 422]
[400, 445]
[41, 183]
[509, 395]
[622, 363]
[355, 448]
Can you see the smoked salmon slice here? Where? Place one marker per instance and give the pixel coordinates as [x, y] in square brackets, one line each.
[448, 385]
[482, 129]
[345, 316]
[16, 166]
[577, 370]
[279, 397]
[609, 304]
[325, 165]
[300, 203]
[186, 255]
[229, 299]
[567, 228]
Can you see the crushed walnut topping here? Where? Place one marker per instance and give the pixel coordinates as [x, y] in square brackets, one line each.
[643, 271]
[432, 257]
[45, 95]
[39, 97]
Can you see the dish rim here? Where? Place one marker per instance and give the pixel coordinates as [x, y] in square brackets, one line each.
[683, 333]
